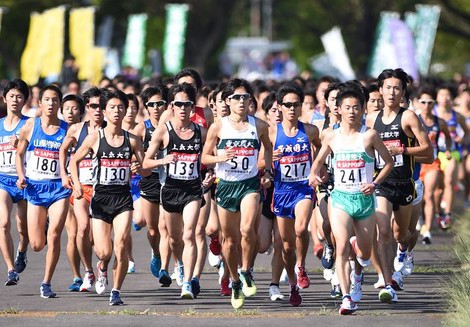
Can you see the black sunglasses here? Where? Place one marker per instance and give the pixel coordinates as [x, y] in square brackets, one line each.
[181, 104]
[155, 104]
[291, 104]
[94, 105]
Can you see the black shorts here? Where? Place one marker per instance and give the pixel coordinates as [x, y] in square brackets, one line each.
[150, 188]
[267, 196]
[107, 206]
[398, 192]
[175, 199]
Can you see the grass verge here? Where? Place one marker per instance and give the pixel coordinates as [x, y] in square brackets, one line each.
[458, 287]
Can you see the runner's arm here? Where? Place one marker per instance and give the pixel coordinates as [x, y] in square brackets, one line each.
[23, 142]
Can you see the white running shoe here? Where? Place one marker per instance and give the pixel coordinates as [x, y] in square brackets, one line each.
[180, 276]
[102, 280]
[88, 282]
[221, 272]
[380, 282]
[399, 261]
[214, 260]
[409, 264]
[275, 293]
[131, 267]
[328, 274]
[348, 306]
[284, 278]
[397, 281]
[388, 295]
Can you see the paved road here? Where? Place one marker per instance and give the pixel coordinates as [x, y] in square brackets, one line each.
[422, 302]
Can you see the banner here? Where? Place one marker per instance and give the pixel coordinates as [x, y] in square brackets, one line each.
[52, 48]
[81, 43]
[383, 54]
[134, 48]
[98, 64]
[1, 12]
[31, 59]
[428, 20]
[403, 44]
[175, 37]
[336, 51]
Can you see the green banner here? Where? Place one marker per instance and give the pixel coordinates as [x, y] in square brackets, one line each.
[175, 37]
[134, 48]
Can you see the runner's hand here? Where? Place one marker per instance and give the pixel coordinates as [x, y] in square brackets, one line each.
[21, 183]
[14, 141]
[77, 191]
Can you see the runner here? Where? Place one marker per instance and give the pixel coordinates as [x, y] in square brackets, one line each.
[238, 138]
[15, 94]
[154, 101]
[376, 102]
[398, 128]
[40, 140]
[181, 193]
[111, 206]
[293, 198]
[72, 110]
[353, 199]
[81, 207]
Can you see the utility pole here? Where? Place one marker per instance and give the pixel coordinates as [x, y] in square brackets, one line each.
[255, 18]
[268, 19]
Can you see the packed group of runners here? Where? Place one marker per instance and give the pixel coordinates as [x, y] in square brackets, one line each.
[230, 169]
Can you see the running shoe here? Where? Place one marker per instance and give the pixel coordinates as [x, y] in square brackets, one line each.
[295, 299]
[20, 261]
[102, 280]
[380, 282]
[221, 271]
[356, 287]
[318, 250]
[409, 264]
[397, 281]
[195, 286]
[447, 221]
[348, 306]
[328, 259]
[302, 278]
[328, 274]
[180, 274]
[155, 265]
[131, 267]
[76, 283]
[284, 277]
[115, 298]
[88, 282]
[186, 291]
[238, 298]
[12, 278]
[275, 293]
[225, 287]
[426, 238]
[249, 287]
[46, 291]
[388, 295]
[335, 292]
[214, 246]
[214, 260]
[399, 261]
[164, 278]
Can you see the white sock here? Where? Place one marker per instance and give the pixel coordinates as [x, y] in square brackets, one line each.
[362, 262]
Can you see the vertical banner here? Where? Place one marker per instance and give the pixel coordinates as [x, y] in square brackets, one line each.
[428, 20]
[403, 42]
[30, 59]
[383, 54]
[82, 40]
[336, 51]
[175, 37]
[53, 42]
[98, 63]
[134, 48]
[1, 12]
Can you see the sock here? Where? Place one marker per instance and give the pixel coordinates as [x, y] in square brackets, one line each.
[273, 284]
[357, 278]
[116, 290]
[362, 262]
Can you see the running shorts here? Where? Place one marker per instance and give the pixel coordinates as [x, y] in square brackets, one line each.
[426, 168]
[398, 192]
[419, 187]
[175, 199]
[45, 193]
[87, 193]
[107, 206]
[284, 201]
[357, 205]
[445, 162]
[8, 184]
[229, 195]
[135, 190]
[150, 188]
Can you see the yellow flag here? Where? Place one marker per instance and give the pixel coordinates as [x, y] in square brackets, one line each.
[99, 61]
[82, 33]
[53, 46]
[30, 59]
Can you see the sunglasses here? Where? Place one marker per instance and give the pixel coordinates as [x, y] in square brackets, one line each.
[291, 104]
[426, 102]
[182, 104]
[94, 105]
[239, 96]
[155, 104]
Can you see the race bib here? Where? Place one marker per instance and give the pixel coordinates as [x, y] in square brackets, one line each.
[398, 159]
[43, 164]
[295, 168]
[186, 166]
[243, 162]
[7, 159]
[86, 171]
[114, 171]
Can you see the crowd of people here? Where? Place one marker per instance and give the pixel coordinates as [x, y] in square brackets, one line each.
[226, 170]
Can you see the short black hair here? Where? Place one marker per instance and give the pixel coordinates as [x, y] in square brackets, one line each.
[185, 88]
[91, 93]
[50, 87]
[150, 91]
[350, 91]
[269, 101]
[287, 88]
[234, 84]
[190, 72]
[17, 84]
[107, 95]
[394, 73]
[78, 99]
[133, 97]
